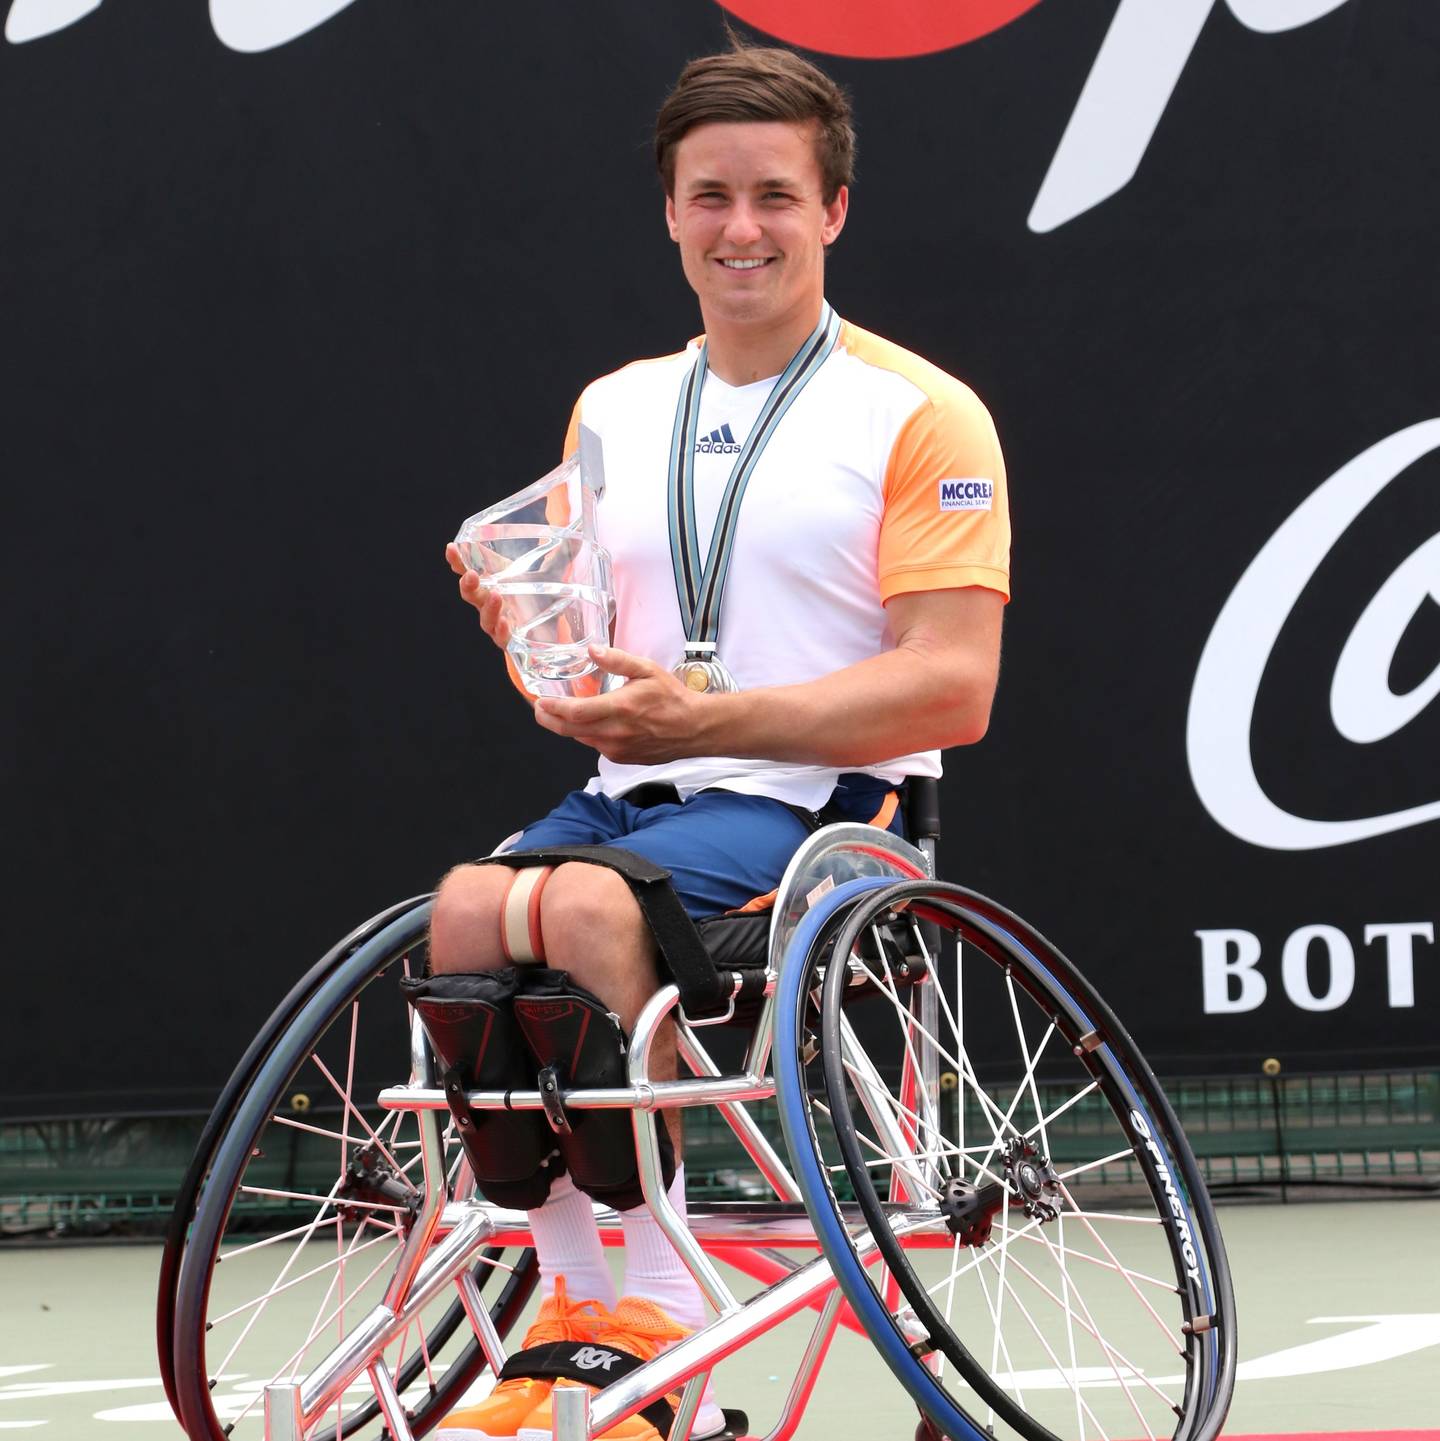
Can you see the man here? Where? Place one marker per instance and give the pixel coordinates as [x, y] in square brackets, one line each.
[860, 617]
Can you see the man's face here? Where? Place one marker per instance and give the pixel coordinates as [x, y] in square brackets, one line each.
[750, 222]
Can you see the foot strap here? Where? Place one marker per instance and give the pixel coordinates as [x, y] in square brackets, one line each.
[591, 1365]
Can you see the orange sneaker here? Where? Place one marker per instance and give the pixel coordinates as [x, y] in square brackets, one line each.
[636, 1326]
[499, 1415]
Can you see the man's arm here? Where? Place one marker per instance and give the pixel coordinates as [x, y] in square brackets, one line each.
[933, 690]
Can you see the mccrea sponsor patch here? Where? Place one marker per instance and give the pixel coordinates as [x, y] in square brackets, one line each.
[973, 494]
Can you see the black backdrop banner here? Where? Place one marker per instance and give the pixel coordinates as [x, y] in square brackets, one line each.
[288, 290]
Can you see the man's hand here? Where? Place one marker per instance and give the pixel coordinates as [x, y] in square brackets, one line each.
[653, 717]
[486, 602]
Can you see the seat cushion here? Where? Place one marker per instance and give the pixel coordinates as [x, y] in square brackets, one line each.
[737, 941]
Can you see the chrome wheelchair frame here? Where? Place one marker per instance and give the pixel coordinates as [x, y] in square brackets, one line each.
[992, 1204]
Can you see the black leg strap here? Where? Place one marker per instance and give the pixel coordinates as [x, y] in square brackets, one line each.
[704, 990]
[590, 1363]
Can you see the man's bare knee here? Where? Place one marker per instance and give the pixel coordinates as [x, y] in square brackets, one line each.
[594, 930]
[465, 920]
[592, 899]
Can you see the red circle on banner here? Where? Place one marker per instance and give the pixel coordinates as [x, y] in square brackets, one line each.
[877, 29]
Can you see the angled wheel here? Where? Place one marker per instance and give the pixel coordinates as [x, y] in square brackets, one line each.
[1038, 1256]
[219, 1120]
[303, 1208]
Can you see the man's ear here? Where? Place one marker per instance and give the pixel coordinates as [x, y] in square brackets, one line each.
[835, 213]
[670, 224]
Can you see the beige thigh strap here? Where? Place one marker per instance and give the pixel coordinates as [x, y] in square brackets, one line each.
[520, 937]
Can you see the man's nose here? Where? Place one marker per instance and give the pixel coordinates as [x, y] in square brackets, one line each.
[742, 227]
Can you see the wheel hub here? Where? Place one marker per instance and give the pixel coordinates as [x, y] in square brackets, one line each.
[968, 1210]
[370, 1178]
[1032, 1179]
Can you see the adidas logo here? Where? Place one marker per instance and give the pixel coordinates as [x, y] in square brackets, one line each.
[718, 442]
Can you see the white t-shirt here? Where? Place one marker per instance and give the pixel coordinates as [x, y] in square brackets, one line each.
[884, 477]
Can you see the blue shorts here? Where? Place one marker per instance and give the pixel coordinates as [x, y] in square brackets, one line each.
[722, 849]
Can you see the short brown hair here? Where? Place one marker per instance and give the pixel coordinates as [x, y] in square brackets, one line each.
[753, 82]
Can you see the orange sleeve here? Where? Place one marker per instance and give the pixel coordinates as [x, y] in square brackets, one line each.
[947, 520]
[572, 433]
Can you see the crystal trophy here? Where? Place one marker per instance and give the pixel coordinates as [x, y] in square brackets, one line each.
[538, 551]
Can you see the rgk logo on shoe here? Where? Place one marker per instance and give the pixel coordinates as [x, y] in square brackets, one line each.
[591, 1358]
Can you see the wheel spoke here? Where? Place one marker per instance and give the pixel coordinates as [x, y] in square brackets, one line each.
[425, 1353]
[284, 1272]
[1120, 1368]
[949, 1293]
[1115, 1268]
[1060, 1110]
[1072, 1381]
[1069, 1321]
[885, 1160]
[1026, 1081]
[349, 1090]
[304, 1276]
[352, 1110]
[865, 1141]
[235, 1252]
[1129, 1281]
[883, 988]
[912, 1024]
[978, 1258]
[297, 1357]
[295, 1125]
[1029, 1059]
[1109, 1160]
[322, 1201]
[1088, 1324]
[1123, 1217]
[902, 1110]
[879, 1104]
[1042, 1127]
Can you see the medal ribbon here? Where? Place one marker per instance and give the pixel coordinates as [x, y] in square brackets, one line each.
[698, 590]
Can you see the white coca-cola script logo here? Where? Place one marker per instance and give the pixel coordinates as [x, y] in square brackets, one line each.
[1146, 49]
[1362, 705]
[1144, 52]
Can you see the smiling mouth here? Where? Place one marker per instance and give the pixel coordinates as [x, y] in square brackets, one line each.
[756, 263]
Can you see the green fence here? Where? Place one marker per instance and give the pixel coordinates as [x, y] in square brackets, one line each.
[119, 1175]
[1379, 1128]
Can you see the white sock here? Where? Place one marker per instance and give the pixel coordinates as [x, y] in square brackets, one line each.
[654, 1270]
[567, 1243]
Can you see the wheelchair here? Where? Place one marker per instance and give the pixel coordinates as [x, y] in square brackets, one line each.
[976, 1169]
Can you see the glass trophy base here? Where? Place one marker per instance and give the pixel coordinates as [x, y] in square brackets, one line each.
[553, 624]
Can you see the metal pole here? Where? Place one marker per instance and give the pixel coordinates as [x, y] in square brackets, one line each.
[283, 1421]
[570, 1413]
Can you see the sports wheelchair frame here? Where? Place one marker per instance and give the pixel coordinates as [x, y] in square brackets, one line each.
[999, 1193]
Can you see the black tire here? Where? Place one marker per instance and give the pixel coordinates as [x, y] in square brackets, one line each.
[269, 1189]
[1066, 1331]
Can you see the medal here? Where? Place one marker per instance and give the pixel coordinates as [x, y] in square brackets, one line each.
[703, 671]
[698, 589]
